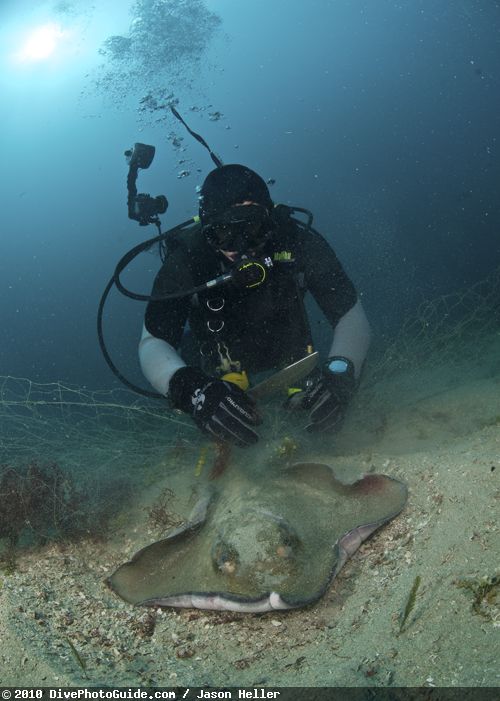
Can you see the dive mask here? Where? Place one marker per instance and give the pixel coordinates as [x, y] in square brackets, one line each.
[240, 228]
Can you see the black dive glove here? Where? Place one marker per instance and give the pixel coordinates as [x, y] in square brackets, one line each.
[328, 397]
[218, 407]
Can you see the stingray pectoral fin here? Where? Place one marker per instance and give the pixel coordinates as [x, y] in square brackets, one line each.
[338, 518]
[351, 541]
[155, 568]
[386, 498]
[387, 492]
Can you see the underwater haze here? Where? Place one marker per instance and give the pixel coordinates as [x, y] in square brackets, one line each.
[381, 117]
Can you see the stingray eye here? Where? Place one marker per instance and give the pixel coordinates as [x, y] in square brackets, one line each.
[289, 541]
[284, 551]
[225, 558]
[228, 567]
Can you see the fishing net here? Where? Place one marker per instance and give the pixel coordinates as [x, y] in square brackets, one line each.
[109, 429]
[456, 331]
[72, 459]
[55, 420]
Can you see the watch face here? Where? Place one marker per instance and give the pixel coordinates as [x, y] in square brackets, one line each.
[338, 365]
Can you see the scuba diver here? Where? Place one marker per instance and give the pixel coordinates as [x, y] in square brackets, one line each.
[197, 349]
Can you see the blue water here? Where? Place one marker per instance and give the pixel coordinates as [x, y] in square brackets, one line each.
[381, 117]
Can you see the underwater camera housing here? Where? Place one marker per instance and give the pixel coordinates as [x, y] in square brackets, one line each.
[141, 206]
[141, 156]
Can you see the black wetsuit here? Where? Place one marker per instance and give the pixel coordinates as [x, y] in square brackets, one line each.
[263, 327]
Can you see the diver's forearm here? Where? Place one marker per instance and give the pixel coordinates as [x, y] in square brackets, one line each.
[159, 361]
[351, 337]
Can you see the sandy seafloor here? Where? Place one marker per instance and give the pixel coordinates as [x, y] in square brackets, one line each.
[438, 432]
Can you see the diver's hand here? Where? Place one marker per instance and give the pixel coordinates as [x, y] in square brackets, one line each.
[328, 396]
[219, 408]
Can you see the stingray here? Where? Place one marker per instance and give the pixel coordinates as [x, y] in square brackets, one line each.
[261, 546]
